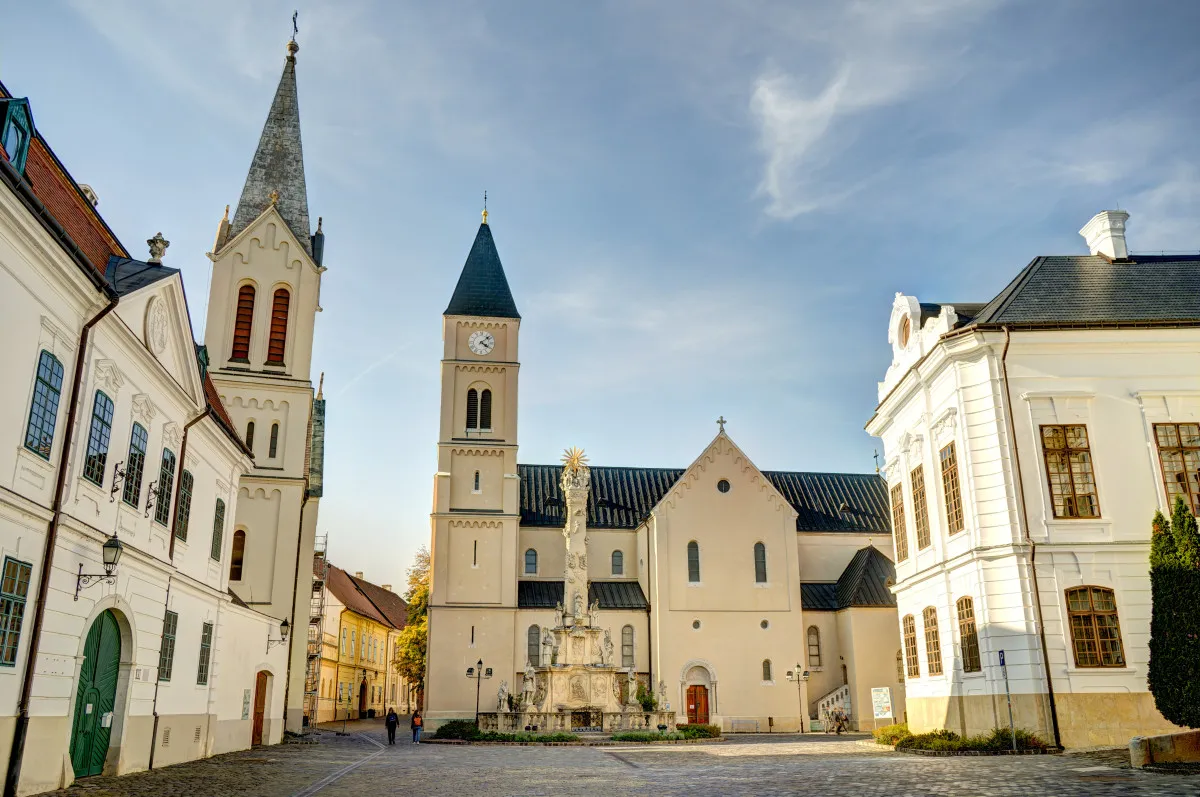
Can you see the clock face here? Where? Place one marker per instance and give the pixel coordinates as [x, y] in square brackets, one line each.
[481, 342]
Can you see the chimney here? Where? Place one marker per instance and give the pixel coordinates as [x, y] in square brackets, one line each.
[386, 587]
[1105, 234]
[358, 575]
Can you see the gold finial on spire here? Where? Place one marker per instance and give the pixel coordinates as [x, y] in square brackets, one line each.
[485, 207]
[273, 196]
[321, 387]
[573, 459]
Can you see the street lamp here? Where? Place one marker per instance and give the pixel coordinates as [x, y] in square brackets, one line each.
[283, 635]
[799, 676]
[478, 673]
[111, 555]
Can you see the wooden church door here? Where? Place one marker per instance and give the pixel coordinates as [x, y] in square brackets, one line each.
[697, 704]
[96, 696]
[260, 707]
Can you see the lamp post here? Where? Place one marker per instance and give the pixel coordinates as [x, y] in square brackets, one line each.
[111, 555]
[799, 676]
[478, 673]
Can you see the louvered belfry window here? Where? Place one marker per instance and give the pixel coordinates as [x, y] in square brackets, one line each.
[485, 409]
[243, 324]
[472, 409]
[279, 321]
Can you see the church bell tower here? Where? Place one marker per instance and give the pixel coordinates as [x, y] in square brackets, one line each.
[476, 510]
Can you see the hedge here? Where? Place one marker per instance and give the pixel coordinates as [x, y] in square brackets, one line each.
[999, 740]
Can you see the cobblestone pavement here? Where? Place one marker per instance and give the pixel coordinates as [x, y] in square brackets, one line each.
[745, 765]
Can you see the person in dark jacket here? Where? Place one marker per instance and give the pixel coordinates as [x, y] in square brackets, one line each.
[391, 722]
[417, 722]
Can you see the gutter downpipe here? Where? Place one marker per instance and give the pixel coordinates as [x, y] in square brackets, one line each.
[649, 609]
[295, 632]
[1037, 595]
[17, 751]
[157, 681]
[178, 487]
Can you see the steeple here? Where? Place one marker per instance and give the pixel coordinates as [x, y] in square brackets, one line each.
[277, 170]
[482, 288]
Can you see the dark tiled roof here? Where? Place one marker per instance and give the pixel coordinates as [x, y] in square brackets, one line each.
[611, 594]
[621, 498]
[482, 288]
[617, 595]
[389, 604]
[219, 413]
[539, 594]
[127, 275]
[278, 165]
[817, 596]
[966, 311]
[360, 597]
[865, 580]
[1090, 290]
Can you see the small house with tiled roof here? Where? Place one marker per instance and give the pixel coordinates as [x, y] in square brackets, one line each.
[751, 599]
[1029, 440]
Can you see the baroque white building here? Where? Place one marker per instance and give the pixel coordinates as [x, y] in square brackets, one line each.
[1029, 441]
[116, 431]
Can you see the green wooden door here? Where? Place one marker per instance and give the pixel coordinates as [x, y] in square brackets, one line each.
[96, 696]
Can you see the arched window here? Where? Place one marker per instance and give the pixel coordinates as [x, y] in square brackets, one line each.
[627, 646]
[237, 555]
[845, 675]
[533, 645]
[218, 531]
[618, 563]
[183, 512]
[485, 409]
[43, 412]
[98, 438]
[814, 646]
[905, 331]
[933, 644]
[693, 554]
[531, 562]
[166, 480]
[279, 318]
[767, 670]
[243, 323]
[760, 563]
[274, 447]
[250, 436]
[135, 463]
[472, 410]
[476, 481]
[968, 635]
[910, 647]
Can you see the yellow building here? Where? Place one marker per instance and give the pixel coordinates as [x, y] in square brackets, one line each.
[360, 627]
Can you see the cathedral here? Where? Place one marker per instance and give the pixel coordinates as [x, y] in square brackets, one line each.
[720, 593]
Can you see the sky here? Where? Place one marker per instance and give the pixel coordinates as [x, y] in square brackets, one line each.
[703, 208]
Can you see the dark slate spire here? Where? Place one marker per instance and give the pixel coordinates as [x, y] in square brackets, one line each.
[277, 171]
[482, 287]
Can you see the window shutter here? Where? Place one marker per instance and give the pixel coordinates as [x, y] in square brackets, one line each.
[279, 321]
[243, 323]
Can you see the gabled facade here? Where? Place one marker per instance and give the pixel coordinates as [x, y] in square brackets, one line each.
[1028, 442]
[696, 574]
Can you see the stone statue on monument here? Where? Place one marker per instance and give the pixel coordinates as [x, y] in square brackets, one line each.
[608, 648]
[502, 697]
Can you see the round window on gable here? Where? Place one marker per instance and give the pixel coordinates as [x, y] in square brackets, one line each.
[696, 625]
[905, 331]
[723, 485]
[764, 625]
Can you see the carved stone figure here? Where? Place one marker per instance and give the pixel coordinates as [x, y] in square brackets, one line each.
[578, 604]
[632, 680]
[528, 685]
[593, 610]
[607, 659]
[662, 693]
[578, 692]
[561, 611]
[547, 644]
[539, 696]
[502, 696]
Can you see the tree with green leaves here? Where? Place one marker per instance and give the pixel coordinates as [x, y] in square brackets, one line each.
[1174, 676]
[413, 641]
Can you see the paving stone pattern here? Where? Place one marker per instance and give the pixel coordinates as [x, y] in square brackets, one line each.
[744, 765]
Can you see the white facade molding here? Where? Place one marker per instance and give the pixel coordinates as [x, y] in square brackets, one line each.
[143, 409]
[109, 378]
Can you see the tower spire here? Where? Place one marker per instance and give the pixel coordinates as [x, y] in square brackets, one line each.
[277, 168]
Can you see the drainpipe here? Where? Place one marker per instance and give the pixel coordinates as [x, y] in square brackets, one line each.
[649, 609]
[21, 730]
[179, 483]
[157, 681]
[287, 684]
[1037, 595]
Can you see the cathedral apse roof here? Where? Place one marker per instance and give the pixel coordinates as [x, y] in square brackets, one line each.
[865, 582]
[622, 498]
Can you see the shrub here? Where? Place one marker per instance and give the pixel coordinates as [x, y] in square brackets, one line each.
[699, 731]
[646, 698]
[890, 734]
[997, 740]
[458, 729]
[646, 736]
[1174, 675]
[466, 731]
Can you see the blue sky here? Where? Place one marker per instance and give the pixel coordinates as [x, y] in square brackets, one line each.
[703, 207]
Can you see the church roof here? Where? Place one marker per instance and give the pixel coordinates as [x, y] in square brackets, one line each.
[622, 498]
[482, 288]
[611, 594]
[127, 275]
[864, 582]
[278, 164]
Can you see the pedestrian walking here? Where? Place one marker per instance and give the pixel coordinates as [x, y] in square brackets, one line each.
[417, 722]
[391, 722]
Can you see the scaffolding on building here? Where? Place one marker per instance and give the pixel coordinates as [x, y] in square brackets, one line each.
[316, 631]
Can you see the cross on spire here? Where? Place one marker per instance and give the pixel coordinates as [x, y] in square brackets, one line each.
[721, 422]
[485, 207]
[295, 27]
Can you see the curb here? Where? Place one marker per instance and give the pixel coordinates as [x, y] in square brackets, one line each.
[951, 753]
[604, 743]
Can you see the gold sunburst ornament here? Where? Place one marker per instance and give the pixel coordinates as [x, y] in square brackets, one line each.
[574, 459]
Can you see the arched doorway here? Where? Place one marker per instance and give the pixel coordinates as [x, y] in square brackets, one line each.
[362, 699]
[697, 681]
[95, 697]
[261, 688]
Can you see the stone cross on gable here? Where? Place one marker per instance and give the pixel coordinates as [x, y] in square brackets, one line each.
[721, 422]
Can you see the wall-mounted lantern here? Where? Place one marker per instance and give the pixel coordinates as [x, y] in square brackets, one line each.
[111, 554]
[283, 635]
